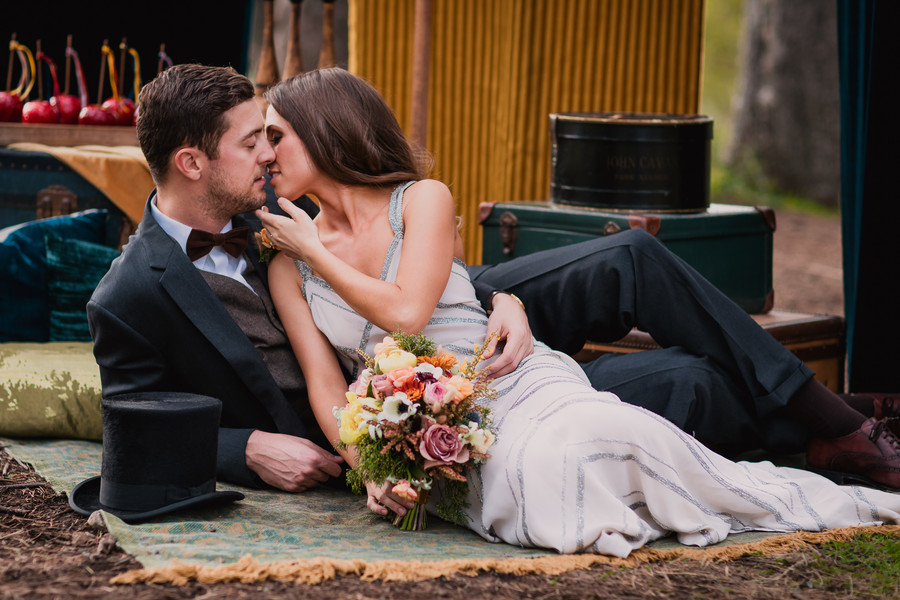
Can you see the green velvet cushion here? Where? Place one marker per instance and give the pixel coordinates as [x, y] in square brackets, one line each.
[74, 268]
[50, 390]
[24, 297]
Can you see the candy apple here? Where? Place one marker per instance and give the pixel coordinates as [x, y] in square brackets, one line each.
[39, 111]
[11, 101]
[43, 111]
[10, 107]
[94, 114]
[122, 108]
[68, 107]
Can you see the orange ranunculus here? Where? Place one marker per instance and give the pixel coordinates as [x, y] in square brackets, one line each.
[413, 388]
[463, 387]
[445, 361]
[405, 491]
[402, 376]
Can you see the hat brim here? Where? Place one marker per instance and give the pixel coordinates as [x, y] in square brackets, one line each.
[85, 499]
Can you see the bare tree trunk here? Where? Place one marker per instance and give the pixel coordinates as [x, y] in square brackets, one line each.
[787, 108]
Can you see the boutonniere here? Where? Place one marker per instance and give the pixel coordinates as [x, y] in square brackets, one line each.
[267, 248]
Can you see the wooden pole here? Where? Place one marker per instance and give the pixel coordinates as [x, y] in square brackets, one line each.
[293, 64]
[267, 70]
[120, 79]
[326, 54]
[68, 63]
[420, 73]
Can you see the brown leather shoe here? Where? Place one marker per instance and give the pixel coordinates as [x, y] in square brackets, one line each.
[869, 456]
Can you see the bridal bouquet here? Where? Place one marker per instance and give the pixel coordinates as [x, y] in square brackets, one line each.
[416, 415]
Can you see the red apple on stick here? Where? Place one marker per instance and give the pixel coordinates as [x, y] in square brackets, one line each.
[11, 101]
[69, 105]
[96, 114]
[43, 111]
[123, 108]
[10, 107]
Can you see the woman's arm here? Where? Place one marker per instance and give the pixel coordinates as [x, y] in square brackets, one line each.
[324, 380]
[429, 218]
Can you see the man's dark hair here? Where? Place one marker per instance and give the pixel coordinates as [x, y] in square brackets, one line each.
[185, 106]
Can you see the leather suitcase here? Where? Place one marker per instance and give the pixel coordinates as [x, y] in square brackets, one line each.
[25, 175]
[730, 245]
[817, 340]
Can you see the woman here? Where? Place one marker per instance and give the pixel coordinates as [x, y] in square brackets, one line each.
[573, 469]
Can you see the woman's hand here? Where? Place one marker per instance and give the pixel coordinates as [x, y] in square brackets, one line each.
[509, 323]
[295, 235]
[381, 499]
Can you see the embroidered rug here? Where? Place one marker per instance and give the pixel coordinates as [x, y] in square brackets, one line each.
[317, 535]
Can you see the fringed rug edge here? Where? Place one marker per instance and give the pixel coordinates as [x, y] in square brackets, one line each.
[314, 571]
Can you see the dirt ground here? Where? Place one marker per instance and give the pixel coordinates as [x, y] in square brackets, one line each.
[47, 551]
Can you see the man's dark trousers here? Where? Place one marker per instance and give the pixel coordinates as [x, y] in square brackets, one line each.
[719, 375]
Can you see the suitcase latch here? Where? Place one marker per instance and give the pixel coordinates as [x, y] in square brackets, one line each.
[54, 201]
[509, 232]
[611, 228]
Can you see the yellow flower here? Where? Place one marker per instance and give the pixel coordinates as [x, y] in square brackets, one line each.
[394, 358]
[351, 416]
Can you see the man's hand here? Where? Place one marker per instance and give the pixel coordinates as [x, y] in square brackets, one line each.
[510, 324]
[290, 463]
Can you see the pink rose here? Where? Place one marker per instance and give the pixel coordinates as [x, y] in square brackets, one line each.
[382, 386]
[441, 445]
[436, 394]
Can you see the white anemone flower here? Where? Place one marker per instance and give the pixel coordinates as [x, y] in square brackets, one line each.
[430, 369]
[397, 408]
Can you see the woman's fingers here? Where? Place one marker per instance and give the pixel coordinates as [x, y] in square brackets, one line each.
[289, 207]
[381, 500]
[375, 507]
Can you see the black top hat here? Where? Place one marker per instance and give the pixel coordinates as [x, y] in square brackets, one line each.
[159, 455]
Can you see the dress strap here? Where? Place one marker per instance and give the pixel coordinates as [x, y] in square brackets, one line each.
[396, 208]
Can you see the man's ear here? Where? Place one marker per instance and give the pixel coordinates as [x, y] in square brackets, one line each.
[190, 162]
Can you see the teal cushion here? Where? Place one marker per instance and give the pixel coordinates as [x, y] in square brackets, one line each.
[74, 268]
[24, 298]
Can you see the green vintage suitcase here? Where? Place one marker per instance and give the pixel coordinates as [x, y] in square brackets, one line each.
[730, 245]
[24, 175]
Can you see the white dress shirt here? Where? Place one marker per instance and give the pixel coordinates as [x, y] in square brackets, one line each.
[217, 261]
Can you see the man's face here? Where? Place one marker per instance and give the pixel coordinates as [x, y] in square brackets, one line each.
[237, 176]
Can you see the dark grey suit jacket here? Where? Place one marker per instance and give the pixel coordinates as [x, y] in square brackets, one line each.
[157, 326]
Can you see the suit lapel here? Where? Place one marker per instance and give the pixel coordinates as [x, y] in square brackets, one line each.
[187, 288]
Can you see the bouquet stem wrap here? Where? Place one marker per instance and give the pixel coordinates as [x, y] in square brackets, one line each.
[415, 518]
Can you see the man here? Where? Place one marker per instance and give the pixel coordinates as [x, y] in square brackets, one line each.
[163, 320]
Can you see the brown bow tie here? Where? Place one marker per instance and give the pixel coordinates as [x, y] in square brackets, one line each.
[199, 243]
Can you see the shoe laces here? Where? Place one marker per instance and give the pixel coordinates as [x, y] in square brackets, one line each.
[883, 428]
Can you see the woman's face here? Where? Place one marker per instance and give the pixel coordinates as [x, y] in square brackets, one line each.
[292, 172]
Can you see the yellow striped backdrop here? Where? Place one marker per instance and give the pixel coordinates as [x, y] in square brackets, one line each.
[499, 68]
